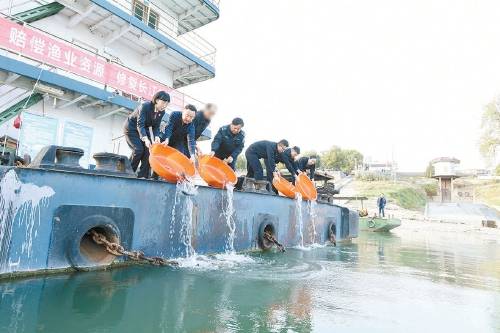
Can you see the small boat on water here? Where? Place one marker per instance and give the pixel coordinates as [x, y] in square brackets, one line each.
[378, 224]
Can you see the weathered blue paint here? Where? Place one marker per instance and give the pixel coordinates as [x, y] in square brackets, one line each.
[45, 236]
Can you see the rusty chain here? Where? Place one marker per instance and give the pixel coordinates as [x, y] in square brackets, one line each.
[273, 240]
[118, 250]
[333, 239]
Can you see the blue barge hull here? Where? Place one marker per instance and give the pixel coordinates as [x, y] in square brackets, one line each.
[45, 215]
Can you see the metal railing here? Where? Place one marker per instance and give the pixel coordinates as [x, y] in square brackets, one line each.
[215, 2]
[168, 25]
[183, 98]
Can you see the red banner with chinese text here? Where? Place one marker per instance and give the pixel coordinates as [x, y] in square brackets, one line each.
[52, 51]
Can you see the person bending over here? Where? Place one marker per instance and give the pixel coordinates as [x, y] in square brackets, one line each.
[266, 150]
[287, 157]
[201, 122]
[306, 163]
[229, 141]
[137, 127]
[180, 132]
[203, 118]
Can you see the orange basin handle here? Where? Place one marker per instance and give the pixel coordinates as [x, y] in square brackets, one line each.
[216, 172]
[169, 163]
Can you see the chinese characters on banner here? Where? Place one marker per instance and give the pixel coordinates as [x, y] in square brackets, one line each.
[52, 51]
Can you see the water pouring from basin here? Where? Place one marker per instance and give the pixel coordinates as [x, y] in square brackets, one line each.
[187, 218]
[216, 172]
[284, 187]
[177, 196]
[228, 212]
[170, 164]
[305, 187]
[312, 216]
[299, 220]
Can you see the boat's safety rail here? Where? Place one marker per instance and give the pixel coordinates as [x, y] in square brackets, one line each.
[215, 2]
[24, 40]
[117, 250]
[168, 25]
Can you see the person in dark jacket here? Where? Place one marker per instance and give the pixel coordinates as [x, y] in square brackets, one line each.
[137, 127]
[180, 132]
[203, 118]
[381, 202]
[306, 163]
[288, 158]
[267, 150]
[229, 142]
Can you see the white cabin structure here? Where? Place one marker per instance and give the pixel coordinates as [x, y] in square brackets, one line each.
[74, 69]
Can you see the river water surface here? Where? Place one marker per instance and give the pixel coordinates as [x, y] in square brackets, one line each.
[409, 281]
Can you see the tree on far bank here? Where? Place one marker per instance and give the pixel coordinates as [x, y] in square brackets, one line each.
[489, 142]
[429, 171]
[241, 163]
[345, 160]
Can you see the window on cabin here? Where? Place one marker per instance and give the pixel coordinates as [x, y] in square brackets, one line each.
[145, 14]
[153, 19]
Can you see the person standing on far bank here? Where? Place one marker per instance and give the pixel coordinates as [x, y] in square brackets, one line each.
[137, 127]
[381, 202]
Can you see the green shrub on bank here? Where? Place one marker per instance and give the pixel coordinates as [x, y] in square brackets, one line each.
[489, 193]
[403, 193]
[408, 198]
[430, 189]
[372, 176]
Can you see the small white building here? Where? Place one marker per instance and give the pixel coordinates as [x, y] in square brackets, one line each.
[445, 171]
[380, 167]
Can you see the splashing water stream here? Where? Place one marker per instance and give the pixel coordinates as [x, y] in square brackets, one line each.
[186, 189]
[228, 212]
[187, 217]
[312, 215]
[178, 191]
[298, 216]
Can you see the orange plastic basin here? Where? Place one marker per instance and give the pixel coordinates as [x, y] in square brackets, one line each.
[215, 172]
[169, 163]
[306, 187]
[284, 187]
